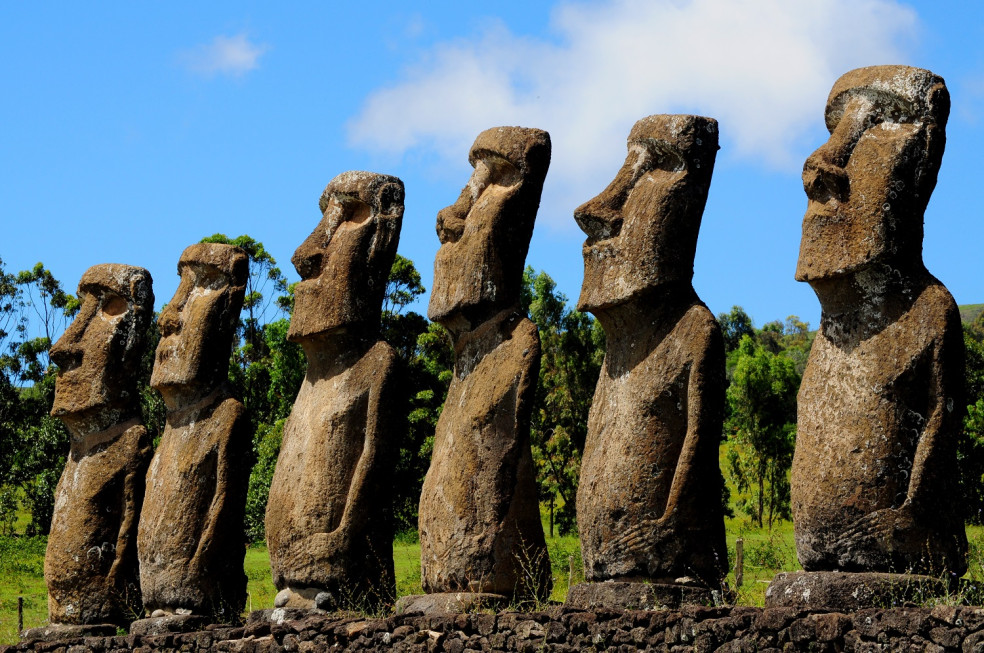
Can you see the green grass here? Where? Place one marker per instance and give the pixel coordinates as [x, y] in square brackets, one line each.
[260, 591]
[21, 574]
[766, 552]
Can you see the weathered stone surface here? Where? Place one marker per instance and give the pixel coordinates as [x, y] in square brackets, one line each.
[67, 632]
[479, 519]
[616, 595]
[450, 603]
[880, 406]
[648, 502]
[168, 623]
[692, 629]
[327, 521]
[191, 541]
[851, 591]
[91, 560]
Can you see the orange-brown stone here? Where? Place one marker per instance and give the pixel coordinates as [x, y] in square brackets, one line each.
[90, 564]
[191, 539]
[880, 406]
[648, 503]
[480, 528]
[327, 523]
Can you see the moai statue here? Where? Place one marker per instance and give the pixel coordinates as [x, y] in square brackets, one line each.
[480, 530]
[191, 540]
[327, 523]
[880, 406]
[649, 498]
[90, 565]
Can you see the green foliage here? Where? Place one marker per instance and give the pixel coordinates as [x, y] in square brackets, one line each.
[573, 347]
[22, 555]
[428, 364]
[970, 446]
[33, 311]
[761, 424]
[734, 325]
[266, 449]
[403, 286]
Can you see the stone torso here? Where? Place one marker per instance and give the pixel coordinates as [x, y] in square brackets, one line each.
[91, 559]
[648, 501]
[480, 525]
[877, 421]
[327, 520]
[191, 540]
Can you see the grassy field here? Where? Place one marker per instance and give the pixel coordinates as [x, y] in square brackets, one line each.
[766, 552]
[969, 312]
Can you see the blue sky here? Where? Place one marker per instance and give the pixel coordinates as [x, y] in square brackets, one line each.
[131, 130]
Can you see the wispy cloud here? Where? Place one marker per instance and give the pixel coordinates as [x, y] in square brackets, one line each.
[763, 68]
[225, 55]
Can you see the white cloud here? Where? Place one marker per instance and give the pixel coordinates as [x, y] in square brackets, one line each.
[225, 55]
[763, 68]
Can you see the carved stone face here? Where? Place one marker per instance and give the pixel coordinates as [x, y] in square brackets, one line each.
[485, 235]
[198, 324]
[868, 185]
[642, 229]
[345, 262]
[99, 353]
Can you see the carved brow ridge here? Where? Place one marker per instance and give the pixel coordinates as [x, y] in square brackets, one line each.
[888, 107]
[666, 155]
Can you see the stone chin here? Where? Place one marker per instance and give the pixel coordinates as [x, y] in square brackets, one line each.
[613, 279]
[829, 250]
[324, 309]
[459, 289]
[172, 368]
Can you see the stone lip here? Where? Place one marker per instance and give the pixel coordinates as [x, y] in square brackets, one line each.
[450, 603]
[635, 595]
[847, 591]
[66, 632]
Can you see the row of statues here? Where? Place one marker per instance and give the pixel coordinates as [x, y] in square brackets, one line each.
[879, 408]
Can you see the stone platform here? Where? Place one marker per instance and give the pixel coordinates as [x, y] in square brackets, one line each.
[561, 629]
[848, 592]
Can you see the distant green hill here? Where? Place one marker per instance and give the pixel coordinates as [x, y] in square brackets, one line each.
[969, 312]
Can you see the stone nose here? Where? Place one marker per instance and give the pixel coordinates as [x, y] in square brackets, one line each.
[601, 218]
[66, 352]
[308, 256]
[169, 322]
[451, 223]
[823, 180]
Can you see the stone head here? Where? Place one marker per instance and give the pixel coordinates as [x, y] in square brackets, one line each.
[199, 323]
[485, 235]
[868, 185]
[98, 356]
[642, 229]
[345, 262]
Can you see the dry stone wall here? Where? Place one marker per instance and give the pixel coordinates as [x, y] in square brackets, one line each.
[936, 629]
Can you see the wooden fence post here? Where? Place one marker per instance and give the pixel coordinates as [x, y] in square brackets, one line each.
[739, 562]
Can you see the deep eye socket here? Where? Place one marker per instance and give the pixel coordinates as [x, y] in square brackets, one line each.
[658, 156]
[353, 209]
[492, 169]
[113, 305]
